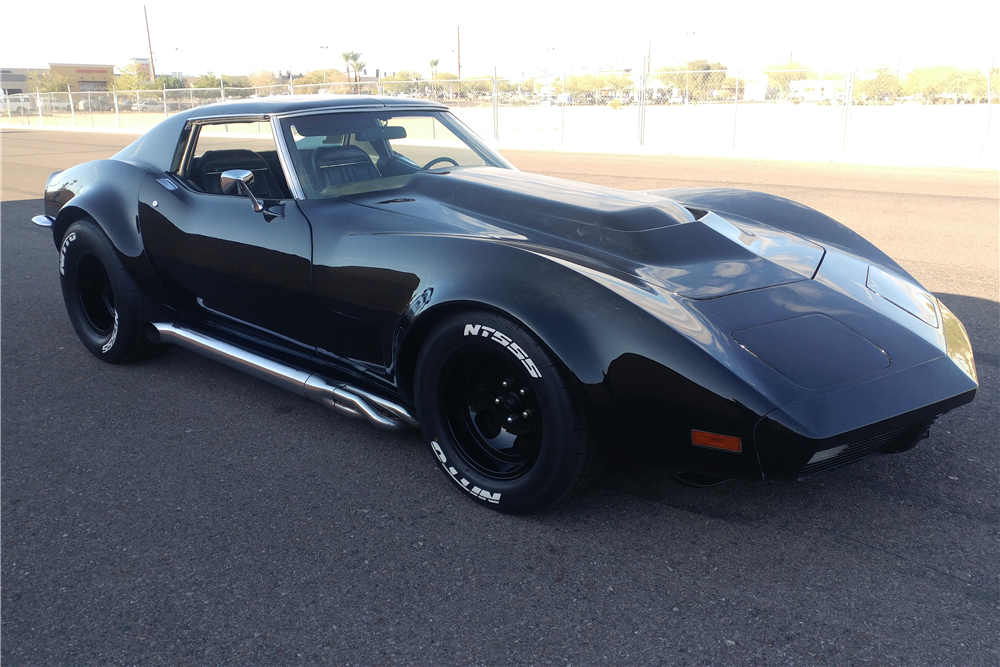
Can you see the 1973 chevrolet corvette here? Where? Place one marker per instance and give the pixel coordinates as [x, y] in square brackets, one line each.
[375, 256]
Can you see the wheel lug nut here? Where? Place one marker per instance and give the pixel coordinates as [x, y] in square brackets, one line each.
[504, 384]
[498, 400]
[510, 420]
[526, 414]
[523, 392]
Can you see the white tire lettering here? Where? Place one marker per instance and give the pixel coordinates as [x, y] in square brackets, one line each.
[114, 335]
[491, 497]
[518, 352]
[464, 483]
[438, 453]
[504, 340]
[500, 338]
[62, 252]
[530, 365]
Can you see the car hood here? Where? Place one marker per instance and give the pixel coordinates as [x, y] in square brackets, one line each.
[696, 254]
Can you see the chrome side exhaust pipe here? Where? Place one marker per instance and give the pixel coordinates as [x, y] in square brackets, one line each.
[340, 397]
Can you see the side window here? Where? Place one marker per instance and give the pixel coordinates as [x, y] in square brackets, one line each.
[219, 147]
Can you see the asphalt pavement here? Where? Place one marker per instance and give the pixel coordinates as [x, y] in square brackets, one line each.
[173, 511]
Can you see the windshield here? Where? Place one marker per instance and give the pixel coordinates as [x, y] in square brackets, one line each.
[337, 154]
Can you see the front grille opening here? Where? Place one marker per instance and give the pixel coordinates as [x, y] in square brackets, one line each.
[830, 459]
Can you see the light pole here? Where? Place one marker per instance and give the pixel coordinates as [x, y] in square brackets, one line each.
[149, 43]
[324, 64]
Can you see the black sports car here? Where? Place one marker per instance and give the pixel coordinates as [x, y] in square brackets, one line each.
[375, 256]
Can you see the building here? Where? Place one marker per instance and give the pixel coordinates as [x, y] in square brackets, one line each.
[14, 80]
[83, 78]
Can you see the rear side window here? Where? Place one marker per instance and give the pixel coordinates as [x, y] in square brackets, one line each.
[224, 146]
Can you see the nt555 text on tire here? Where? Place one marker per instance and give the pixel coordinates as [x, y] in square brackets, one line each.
[104, 303]
[502, 418]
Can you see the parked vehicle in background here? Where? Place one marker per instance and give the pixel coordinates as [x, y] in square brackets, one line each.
[148, 105]
[54, 105]
[95, 104]
[15, 104]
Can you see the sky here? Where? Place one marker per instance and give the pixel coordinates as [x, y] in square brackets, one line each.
[514, 37]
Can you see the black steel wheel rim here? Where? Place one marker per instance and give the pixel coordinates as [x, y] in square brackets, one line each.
[97, 298]
[493, 414]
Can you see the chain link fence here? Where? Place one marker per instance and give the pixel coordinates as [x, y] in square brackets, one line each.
[814, 114]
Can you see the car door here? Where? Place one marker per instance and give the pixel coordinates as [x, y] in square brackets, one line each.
[217, 258]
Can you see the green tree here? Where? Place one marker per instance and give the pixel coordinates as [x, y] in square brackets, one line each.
[206, 80]
[884, 87]
[262, 78]
[170, 82]
[698, 79]
[48, 82]
[941, 83]
[404, 81]
[316, 76]
[133, 77]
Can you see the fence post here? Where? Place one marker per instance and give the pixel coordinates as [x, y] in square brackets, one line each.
[38, 101]
[736, 106]
[72, 111]
[496, 107]
[642, 102]
[118, 119]
[848, 101]
[90, 107]
[164, 101]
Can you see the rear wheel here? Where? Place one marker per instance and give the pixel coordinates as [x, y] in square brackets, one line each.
[502, 420]
[104, 304]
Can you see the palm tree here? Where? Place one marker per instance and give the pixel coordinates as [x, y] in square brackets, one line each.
[434, 64]
[349, 57]
[358, 66]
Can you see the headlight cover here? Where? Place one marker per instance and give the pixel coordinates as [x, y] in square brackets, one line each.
[957, 340]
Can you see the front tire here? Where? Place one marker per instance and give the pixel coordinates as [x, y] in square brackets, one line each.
[502, 420]
[104, 304]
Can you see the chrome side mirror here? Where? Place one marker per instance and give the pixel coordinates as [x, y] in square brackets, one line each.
[234, 181]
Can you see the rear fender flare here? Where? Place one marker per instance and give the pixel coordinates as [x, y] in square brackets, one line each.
[107, 192]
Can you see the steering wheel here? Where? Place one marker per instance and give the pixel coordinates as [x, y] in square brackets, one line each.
[436, 160]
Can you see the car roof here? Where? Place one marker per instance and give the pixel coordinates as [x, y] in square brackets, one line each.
[292, 103]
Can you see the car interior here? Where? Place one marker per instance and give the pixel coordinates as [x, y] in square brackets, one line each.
[332, 154]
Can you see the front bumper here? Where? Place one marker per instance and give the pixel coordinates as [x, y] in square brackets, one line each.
[890, 414]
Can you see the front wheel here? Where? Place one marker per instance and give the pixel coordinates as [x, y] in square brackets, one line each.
[104, 304]
[502, 420]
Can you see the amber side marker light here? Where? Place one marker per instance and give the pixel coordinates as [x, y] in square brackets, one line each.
[715, 441]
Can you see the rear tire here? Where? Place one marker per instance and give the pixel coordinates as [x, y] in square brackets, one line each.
[104, 304]
[502, 419]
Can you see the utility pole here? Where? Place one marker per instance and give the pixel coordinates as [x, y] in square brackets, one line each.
[149, 42]
[458, 32]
